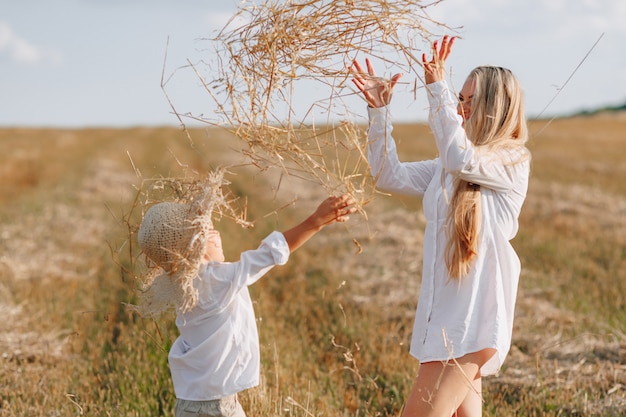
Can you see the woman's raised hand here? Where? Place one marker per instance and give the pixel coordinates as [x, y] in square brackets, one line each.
[376, 90]
[435, 69]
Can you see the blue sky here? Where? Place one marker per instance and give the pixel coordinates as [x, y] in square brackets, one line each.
[82, 63]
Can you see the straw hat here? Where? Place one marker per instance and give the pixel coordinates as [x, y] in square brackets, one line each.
[166, 234]
[173, 237]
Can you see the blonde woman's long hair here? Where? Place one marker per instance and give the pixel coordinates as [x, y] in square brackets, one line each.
[497, 121]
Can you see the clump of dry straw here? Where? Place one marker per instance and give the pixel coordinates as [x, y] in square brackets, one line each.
[267, 51]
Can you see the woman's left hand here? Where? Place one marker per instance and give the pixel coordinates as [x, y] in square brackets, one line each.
[377, 91]
[435, 69]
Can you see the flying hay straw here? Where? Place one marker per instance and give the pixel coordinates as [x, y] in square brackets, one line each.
[266, 52]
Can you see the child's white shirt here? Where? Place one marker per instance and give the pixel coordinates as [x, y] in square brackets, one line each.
[217, 353]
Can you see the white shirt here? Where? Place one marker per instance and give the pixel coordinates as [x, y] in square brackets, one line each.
[217, 352]
[454, 318]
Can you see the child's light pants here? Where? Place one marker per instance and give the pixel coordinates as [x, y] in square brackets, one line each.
[224, 407]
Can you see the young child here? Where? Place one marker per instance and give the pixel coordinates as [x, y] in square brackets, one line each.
[217, 353]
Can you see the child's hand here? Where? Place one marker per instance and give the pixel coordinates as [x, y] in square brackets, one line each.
[331, 210]
[334, 209]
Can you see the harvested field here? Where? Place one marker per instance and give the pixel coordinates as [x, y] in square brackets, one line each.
[334, 323]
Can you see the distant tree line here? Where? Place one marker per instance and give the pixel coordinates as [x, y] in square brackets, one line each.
[616, 108]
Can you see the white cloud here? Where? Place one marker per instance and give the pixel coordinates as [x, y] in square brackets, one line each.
[22, 51]
[218, 21]
[5, 35]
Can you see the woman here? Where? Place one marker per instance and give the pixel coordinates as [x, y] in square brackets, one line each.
[472, 195]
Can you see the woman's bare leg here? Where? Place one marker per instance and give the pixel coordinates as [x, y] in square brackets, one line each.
[472, 405]
[440, 388]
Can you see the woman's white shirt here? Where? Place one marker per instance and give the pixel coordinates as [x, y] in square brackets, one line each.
[453, 317]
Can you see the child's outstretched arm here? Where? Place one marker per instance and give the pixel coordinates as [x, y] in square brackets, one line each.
[333, 209]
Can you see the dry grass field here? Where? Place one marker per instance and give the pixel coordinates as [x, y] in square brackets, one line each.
[334, 323]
